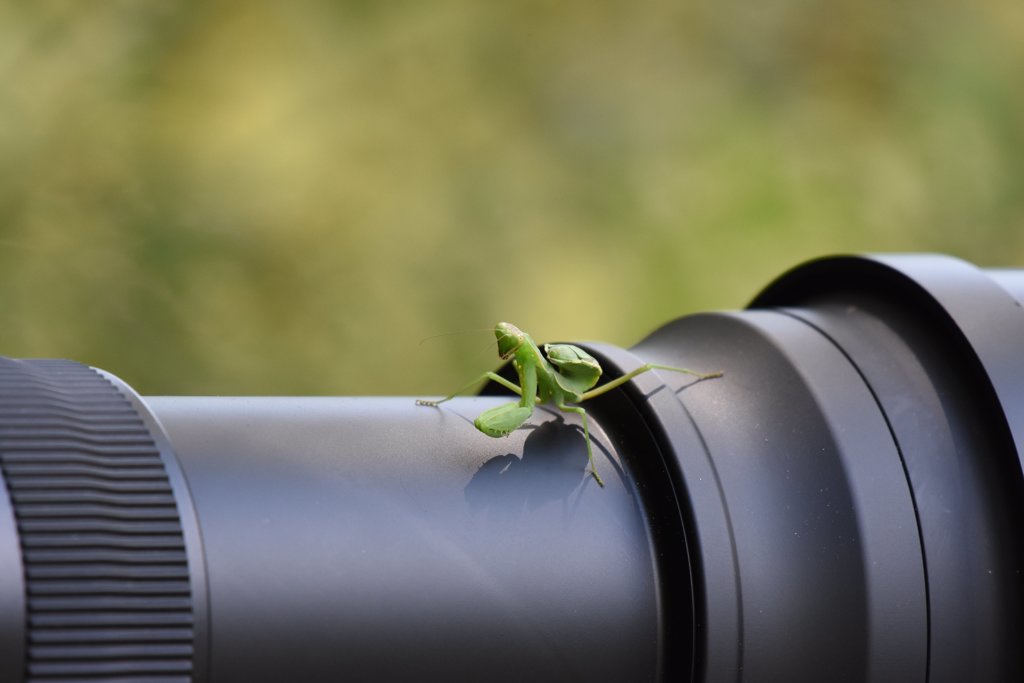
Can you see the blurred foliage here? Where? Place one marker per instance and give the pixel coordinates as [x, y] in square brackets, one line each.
[258, 197]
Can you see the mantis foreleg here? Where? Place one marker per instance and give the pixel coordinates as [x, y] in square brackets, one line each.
[493, 376]
[503, 420]
[641, 370]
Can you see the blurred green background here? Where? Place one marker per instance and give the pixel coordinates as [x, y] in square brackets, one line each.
[273, 198]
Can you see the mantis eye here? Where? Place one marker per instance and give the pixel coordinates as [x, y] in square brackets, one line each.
[510, 338]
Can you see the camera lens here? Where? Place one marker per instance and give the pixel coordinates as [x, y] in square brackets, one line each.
[843, 504]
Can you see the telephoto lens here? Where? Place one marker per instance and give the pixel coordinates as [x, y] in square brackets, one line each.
[842, 504]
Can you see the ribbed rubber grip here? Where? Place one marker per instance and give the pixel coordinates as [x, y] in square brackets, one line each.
[106, 572]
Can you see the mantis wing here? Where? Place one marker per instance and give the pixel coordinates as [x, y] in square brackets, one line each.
[576, 371]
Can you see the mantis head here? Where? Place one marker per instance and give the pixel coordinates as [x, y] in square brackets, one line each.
[510, 338]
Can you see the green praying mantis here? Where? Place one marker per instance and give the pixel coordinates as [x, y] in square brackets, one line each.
[563, 374]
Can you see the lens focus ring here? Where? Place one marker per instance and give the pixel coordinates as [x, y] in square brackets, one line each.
[104, 558]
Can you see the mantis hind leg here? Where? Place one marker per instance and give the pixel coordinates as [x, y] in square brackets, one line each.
[604, 388]
[493, 376]
[586, 435]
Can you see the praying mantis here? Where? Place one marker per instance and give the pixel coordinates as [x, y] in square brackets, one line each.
[563, 374]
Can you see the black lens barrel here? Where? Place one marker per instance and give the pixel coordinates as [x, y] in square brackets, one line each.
[843, 505]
